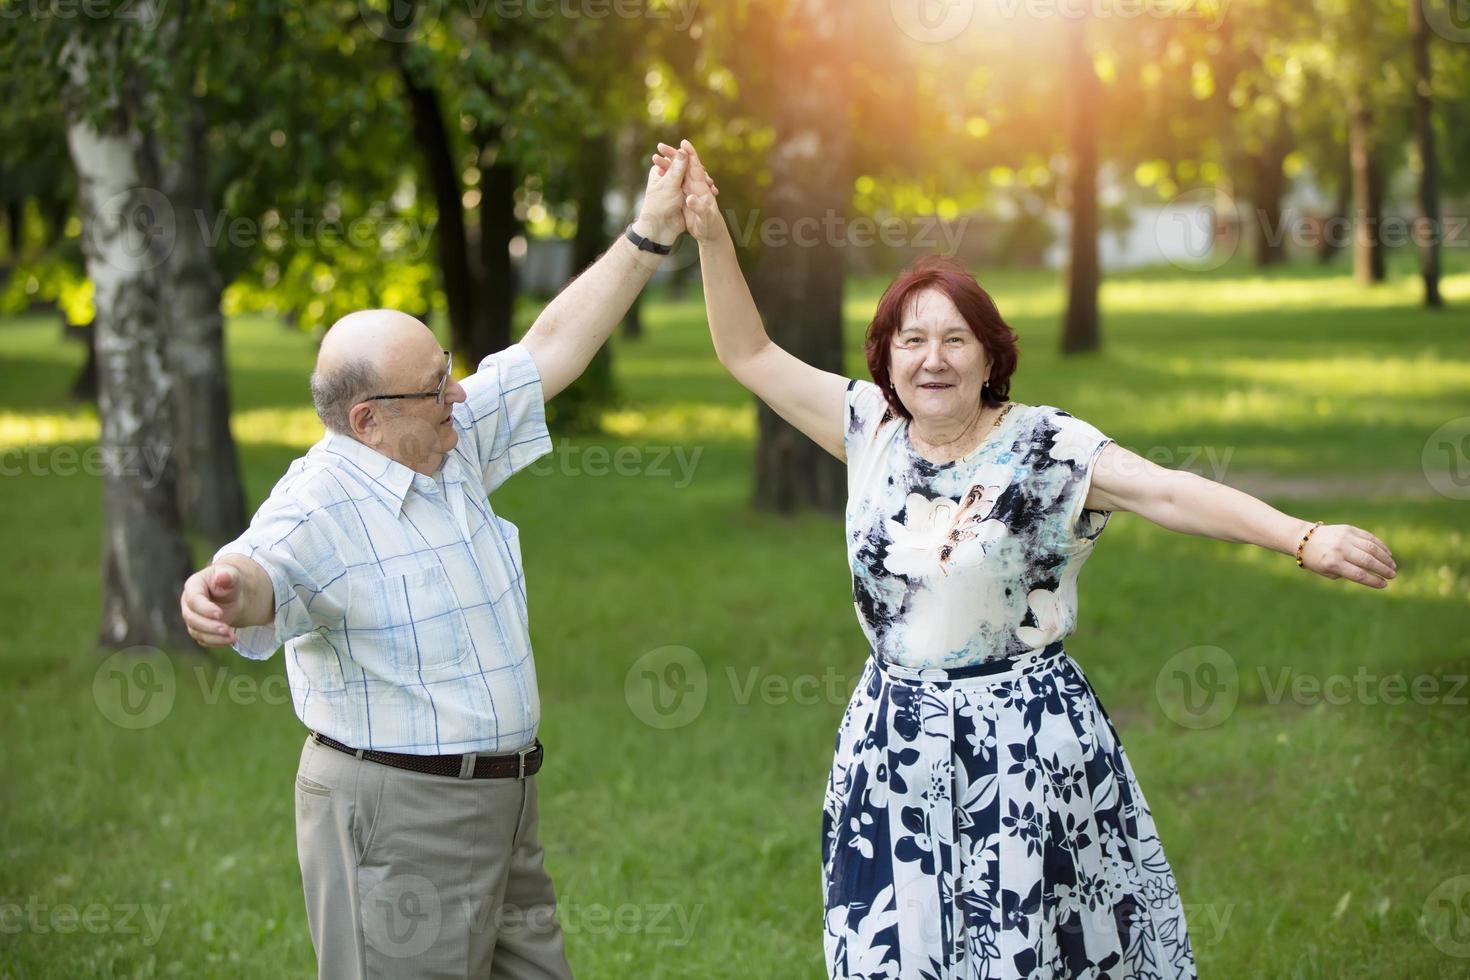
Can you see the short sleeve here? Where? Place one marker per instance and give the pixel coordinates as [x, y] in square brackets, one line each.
[1069, 450]
[306, 571]
[503, 419]
[866, 411]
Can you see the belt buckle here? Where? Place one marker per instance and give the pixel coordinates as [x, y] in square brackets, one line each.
[521, 759]
[467, 765]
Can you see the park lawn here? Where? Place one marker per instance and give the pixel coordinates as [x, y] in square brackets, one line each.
[1307, 836]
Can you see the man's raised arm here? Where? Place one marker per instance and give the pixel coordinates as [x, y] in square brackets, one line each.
[576, 324]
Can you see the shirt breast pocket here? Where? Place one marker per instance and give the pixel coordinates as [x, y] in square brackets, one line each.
[512, 537]
[412, 621]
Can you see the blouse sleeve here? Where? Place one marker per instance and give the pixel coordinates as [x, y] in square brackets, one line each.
[1069, 448]
[867, 410]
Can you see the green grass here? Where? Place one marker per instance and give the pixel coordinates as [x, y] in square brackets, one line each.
[1307, 838]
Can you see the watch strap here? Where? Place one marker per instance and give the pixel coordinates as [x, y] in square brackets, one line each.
[647, 244]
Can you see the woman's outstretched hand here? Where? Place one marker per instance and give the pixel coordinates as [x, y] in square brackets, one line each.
[1345, 551]
[702, 216]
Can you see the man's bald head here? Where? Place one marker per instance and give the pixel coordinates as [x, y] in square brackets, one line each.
[367, 353]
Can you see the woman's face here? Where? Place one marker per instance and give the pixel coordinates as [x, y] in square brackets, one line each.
[937, 364]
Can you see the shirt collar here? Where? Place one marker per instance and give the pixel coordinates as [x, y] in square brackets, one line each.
[386, 477]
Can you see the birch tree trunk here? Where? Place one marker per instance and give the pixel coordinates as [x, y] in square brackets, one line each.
[127, 231]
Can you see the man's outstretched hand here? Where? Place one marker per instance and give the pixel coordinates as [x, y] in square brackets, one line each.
[701, 213]
[213, 599]
[662, 217]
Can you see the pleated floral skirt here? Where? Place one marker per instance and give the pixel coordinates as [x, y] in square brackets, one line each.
[986, 823]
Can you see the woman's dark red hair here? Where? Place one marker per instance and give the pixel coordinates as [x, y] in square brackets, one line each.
[974, 304]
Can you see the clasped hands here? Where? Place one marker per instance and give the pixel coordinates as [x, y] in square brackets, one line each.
[680, 197]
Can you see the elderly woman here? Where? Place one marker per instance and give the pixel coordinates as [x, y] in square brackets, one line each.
[981, 817]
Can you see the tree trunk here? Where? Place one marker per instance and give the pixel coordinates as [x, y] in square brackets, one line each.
[15, 229]
[579, 407]
[633, 322]
[1330, 242]
[1080, 330]
[632, 170]
[455, 272]
[145, 560]
[211, 497]
[1368, 259]
[1427, 228]
[498, 225]
[84, 386]
[798, 282]
[1270, 186]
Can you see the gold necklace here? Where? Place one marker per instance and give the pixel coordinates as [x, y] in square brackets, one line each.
[993, 426]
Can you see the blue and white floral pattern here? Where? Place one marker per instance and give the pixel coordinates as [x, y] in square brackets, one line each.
[982, 819]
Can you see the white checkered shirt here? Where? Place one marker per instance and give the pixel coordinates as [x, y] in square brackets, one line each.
[401, 598]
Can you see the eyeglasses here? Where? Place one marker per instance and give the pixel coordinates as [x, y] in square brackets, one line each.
[437, 395]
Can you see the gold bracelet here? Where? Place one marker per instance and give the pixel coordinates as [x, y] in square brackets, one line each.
[1303, 543]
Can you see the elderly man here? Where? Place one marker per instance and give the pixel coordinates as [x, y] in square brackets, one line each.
[400, 598]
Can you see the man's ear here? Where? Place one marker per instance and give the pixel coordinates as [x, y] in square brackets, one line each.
[362, 419]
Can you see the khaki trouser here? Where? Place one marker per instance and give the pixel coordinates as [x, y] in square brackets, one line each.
[412, 875]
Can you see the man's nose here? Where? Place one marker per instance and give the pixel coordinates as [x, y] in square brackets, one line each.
[455, 394]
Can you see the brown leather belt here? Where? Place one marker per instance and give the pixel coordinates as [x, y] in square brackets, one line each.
[471, 765]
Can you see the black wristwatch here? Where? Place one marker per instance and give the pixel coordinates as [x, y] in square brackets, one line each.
[647, 244]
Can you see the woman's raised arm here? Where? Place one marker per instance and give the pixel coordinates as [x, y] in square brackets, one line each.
[809, 398]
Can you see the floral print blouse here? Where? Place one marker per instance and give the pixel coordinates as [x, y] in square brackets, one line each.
[958, 563]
